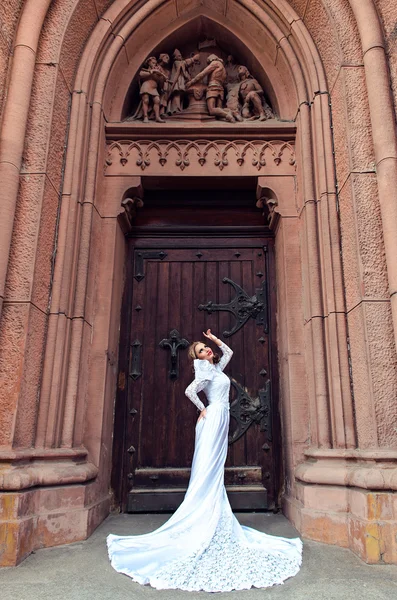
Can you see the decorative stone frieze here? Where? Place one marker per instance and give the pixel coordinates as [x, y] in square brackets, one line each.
[198, 157]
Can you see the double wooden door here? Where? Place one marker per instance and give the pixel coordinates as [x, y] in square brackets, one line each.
[175, 290]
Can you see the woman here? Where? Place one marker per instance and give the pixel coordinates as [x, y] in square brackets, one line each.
[203, 546]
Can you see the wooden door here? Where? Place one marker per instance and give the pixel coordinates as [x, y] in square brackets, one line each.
[177, 289]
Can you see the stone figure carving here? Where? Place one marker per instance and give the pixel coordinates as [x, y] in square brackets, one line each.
[163, 62]
[251, 94]
[216, 73]
[180, 76]
[233, 88]
[152, 78]
[179, 88]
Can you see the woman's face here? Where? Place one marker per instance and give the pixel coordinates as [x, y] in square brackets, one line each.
[203, 352]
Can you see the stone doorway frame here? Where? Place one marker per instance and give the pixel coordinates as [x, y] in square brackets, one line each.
[73, 446]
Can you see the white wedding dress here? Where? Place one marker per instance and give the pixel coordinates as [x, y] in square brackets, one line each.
[203, 546]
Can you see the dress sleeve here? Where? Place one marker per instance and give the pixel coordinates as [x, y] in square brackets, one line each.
[203, 374]
[227, 354]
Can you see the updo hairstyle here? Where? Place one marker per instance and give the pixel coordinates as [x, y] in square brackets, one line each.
[192, 353]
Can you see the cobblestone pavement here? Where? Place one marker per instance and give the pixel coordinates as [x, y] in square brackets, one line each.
[81, 571]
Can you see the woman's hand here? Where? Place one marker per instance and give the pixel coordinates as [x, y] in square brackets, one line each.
[212, 337]
[202, 415]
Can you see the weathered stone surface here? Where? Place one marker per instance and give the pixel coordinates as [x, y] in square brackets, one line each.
[324, 34]
[387, 11]
[383, 362]
[13, 330]
[57, 141]
[346, 29]
[218, 6]
[80, 26]
[363, 255]
[4, 58]
[102, 6]
[350, 252]
[40, 116]
[341, 140]
[352, 125]
[24, 240]
[45, 250]
[370, 237]
[25, 424]
[374, 367]
[299, 6]
[358, 119]
[9, 15]
[363, 392]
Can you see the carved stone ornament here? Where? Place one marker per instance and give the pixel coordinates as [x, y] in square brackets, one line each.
[198, 82]
[245, 411]
[243, 307]
[269, 206]
[126, 217]
[245, 157]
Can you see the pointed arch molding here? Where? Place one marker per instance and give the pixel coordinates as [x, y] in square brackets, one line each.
[72, 385]
[294, 46]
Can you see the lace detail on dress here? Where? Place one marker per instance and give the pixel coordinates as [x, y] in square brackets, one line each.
[227, 354]
[228, 563]
[204, 373]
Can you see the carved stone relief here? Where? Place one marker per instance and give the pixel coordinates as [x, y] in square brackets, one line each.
[206, 85]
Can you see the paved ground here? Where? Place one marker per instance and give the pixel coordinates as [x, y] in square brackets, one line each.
[81, 571]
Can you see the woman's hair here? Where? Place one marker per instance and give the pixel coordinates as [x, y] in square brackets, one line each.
[192, 352]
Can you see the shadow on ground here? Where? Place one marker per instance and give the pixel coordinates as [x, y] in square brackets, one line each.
[81, 571]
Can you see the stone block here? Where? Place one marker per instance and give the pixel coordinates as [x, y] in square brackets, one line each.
[13, 332]
[102, 6]
[5, 54]
[26, 417]
[115, 82]
[363, 394]
[218, 6]
[9, 15]
[60, 498]
[346, 29]
[383, 362]
[57, 139]
[61, 527]
[365, 540]
[19, 280]
[323, 498]
[353, 290]
[374, 373]
[16, 541]
[371, 268]
[39, 120]
[324, 34]
[299, 6]
[358, 119]
[341, 141]
[45, 247]
[325, 526]
[80, 26]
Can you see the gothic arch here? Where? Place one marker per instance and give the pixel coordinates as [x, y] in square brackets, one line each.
[83, 326]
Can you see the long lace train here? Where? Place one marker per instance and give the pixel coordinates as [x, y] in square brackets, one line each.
[203, 546]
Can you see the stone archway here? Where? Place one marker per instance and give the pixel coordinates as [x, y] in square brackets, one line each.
[74, 426]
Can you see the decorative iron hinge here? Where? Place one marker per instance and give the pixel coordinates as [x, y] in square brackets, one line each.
[243, 307]
[246, 410]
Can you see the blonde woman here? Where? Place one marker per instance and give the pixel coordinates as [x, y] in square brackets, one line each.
[203, 546]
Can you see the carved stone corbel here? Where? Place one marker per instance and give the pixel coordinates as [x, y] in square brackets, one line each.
[268, 206]
[126, 217]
